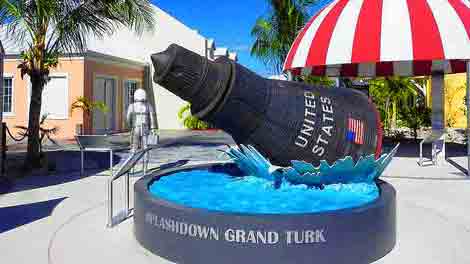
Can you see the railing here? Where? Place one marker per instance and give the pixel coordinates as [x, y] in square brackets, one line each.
[3, 146]
[124, 170]
[111, 144]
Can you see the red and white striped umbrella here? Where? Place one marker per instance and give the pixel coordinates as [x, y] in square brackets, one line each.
[383, 38]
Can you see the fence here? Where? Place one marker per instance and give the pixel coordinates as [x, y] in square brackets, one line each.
[4, 131]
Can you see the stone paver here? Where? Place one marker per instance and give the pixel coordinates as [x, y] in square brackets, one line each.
[66, 213]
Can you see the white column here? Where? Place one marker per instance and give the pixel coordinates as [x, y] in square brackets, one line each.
[468, 118]
[437, 118]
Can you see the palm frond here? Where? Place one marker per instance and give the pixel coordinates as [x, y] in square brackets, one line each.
[76, 22]
[63, 26]
[23, 130]
[275, 32]
[49, 131]
[17, 23]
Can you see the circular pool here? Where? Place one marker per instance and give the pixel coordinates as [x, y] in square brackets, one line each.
[188, 233]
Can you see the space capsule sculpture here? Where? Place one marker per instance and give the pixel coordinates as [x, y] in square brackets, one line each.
[283, 120]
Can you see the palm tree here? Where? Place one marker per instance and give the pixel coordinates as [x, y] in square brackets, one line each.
[275, 32]
[50, 28]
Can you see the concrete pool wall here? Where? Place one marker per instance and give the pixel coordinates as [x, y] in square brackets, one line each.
[188, 235]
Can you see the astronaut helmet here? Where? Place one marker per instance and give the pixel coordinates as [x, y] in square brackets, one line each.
[140, 95]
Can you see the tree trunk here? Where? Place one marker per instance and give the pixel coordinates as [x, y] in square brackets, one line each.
[394, 114]
[387, 114]
[33, 157]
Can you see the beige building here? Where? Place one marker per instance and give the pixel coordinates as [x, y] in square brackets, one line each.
[168, 30]
[92, 75]
[109, 71]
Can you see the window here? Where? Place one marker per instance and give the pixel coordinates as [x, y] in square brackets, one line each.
[7, 95]
[129, 90]
[55, 98]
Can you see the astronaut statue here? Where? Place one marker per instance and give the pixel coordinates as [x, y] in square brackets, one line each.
[140, 119]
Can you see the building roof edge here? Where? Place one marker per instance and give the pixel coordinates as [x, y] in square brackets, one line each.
[90, 54]
[98, 55]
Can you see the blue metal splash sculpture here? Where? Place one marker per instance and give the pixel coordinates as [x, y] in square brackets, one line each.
[366, 169]
[253, 163]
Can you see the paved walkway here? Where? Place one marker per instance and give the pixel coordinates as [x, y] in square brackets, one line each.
[61, 218]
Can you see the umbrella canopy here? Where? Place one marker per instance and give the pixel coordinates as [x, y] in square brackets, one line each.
[367, 38]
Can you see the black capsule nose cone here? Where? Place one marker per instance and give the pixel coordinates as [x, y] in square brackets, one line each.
[192, 77]
[161, 64]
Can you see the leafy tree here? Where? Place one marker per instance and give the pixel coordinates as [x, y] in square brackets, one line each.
[416, 116]
[318, 80]
[275, 32]
[390, 93]
[88, 106]
[49, 28]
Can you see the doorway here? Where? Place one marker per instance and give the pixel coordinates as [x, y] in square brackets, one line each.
[104, 90]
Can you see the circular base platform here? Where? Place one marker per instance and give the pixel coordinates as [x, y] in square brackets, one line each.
[188, 235]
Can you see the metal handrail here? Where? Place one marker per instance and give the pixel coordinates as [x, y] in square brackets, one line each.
[103, 146]
[124, 170]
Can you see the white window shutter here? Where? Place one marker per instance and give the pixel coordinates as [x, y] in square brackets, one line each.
[55, 98]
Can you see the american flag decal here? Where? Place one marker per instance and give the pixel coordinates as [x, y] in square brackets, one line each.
[355, 131]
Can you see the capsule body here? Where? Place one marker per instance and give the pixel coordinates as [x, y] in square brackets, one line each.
[283, 120]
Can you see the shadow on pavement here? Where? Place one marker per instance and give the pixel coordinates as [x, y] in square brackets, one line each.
[16, 216]
[199, 138]
[67, 170]
[36, 182]
[69, 161]
[5, 185]
[457, 166]
[175, 164]
[410, 149]
[189, 143]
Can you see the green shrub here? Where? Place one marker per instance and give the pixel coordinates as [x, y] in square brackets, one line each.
[190, 121]
[88, 106]
[315, 80]
[416, 117]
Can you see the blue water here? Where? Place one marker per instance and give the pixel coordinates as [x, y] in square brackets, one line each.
[249, 194]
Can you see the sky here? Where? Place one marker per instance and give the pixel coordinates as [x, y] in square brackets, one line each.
[228, 22]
